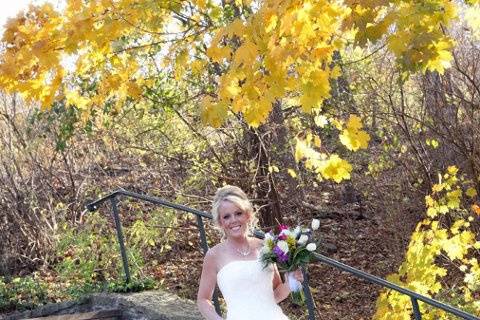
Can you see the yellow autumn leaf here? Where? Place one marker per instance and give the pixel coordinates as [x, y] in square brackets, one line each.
[432, 143]
[438, 187]
[75, 99]
[229, 88]
[452, 170]
[335, 169]
[354, 123]
[432, 212]
[317, 142]
[354, 139]
[246, 54]
[336, 72]
[453, 198]
[471, 192]
[429, 201]
[442, 57]
[217, 54]
[237, 28]
[314, 91]
[292, 173]
[200, 3]
[352, 136]
[256, 116]
[273, 168]
[197, 67]
[213, 113]
[454, 247]
[270, 21]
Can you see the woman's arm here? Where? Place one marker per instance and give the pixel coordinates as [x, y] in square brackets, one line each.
[208, 279]
[281, 290]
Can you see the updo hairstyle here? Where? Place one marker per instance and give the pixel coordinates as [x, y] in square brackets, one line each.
[236, 196]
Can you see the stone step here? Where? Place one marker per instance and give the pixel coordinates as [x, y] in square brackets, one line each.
[146, 305]
[114, 314]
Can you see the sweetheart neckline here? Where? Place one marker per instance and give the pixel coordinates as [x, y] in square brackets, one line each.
[231, 262]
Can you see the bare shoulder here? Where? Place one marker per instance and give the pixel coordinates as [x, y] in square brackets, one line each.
[213, 254]
[257, 243]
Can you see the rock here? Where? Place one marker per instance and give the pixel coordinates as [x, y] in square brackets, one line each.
[147, 305]
[329, 247]
[151, 305]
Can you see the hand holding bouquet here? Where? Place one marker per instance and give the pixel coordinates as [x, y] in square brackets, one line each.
[290, 250]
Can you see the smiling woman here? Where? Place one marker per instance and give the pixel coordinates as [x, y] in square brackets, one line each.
[250, 290]
[231, 201]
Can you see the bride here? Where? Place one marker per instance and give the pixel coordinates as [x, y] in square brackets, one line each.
[250, 291]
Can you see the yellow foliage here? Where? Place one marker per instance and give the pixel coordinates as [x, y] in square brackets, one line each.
[217, 54]
[75, 99]
[418, 41]
[200, 3]
[335, 169]
[246, 54]
[352, 136]
[292, 173]
[420, 270]
[278, 39]
[213, 113]
[452, 170]
[282, 49]
[291, 41]
[471, 192]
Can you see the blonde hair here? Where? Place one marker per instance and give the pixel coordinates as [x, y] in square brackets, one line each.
[236, 196]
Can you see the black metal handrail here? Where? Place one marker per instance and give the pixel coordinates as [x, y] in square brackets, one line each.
[112, 197]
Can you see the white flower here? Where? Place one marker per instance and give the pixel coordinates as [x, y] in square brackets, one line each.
[311, 247]
[283, 245]
[303, 239]
[268, 236]
[315, 224]
[267, 243]
[296, 231]
[265, 249]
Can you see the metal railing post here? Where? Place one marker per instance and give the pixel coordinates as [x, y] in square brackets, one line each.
[308, 294]
[203, 235]
[416, 309]
[121, 242]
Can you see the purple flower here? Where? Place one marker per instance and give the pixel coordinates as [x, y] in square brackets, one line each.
[282, 256]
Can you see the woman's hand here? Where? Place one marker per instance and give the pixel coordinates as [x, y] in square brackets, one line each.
[294, 280]
[297, 275]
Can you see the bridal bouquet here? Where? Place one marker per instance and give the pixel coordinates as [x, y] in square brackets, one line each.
[290, 249]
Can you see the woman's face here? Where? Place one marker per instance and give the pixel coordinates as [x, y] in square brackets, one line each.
[232, 219]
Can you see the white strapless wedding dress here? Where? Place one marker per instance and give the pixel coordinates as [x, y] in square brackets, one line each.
[247, 289]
